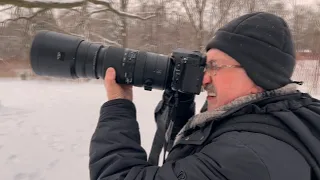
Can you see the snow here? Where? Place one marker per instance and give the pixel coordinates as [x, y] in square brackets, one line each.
[46, 126]
[305, 71]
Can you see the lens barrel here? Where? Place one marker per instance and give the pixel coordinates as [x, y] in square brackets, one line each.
[60, 55]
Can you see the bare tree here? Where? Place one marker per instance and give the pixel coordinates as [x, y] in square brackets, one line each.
[28, 13]
[150, 25]
[124, 26]
[195, 11]
[206, 16]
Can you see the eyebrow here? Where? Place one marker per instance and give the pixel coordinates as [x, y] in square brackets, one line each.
[214, 60]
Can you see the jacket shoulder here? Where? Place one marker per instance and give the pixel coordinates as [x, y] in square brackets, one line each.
[281, 160]
[234, 158]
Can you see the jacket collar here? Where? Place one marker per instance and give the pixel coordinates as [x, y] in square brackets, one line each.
[208, 116]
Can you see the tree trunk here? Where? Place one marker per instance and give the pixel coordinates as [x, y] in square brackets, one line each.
[124, 24]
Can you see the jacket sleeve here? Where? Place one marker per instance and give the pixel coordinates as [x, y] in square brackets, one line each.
[116, 153]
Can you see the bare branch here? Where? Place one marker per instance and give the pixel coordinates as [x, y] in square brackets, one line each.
[42, 4]
[100, 19]
[62, 30]
[98, 11]
[121, 13]
[184, 3]
[144, 12]
[9, 37]
[99, 2]
[75, 10]
[204, 2]
[66, 5]
[223, 12]
[4, 9]
[105, 39]
[25, 18]
[3, 61]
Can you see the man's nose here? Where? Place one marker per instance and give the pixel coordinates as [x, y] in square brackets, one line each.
[206, 79]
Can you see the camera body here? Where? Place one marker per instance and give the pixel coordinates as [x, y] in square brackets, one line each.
[188, 71]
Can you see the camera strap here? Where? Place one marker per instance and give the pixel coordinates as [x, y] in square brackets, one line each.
[162, 138]
[158, 143]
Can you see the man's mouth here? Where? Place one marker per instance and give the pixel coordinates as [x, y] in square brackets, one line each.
[211, 90]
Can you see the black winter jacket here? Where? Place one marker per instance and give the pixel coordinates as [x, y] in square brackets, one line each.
[275, 138]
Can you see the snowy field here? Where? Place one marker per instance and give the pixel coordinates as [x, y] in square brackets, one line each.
[45, 127]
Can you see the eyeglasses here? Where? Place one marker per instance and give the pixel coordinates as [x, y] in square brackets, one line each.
[214, 67]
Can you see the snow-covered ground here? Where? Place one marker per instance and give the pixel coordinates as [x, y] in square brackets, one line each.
[45, 127]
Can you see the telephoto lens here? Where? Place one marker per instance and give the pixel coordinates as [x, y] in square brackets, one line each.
[66, 56]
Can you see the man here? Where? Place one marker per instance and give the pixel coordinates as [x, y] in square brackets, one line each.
[256, 124]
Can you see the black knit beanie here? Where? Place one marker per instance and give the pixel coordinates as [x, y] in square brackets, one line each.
[262, 43]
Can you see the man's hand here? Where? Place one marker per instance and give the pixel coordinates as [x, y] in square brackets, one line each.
[114, 90]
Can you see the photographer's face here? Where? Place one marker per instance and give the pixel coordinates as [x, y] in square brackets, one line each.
[225, 80]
